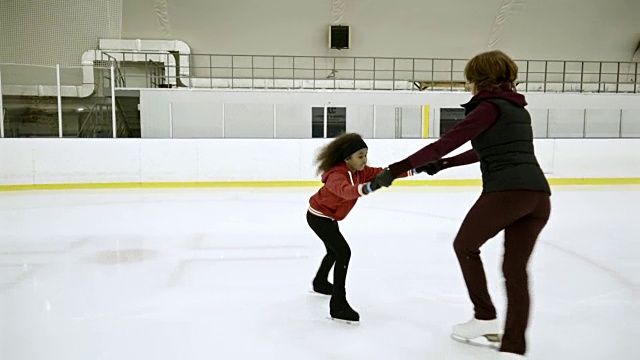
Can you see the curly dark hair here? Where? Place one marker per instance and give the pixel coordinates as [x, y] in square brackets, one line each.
[330, 155]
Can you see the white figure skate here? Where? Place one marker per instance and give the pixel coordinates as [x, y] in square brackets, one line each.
[471, 330]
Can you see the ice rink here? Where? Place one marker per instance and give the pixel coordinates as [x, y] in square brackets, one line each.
[225, 274]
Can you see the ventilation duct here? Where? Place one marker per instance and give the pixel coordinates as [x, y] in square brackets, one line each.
[160, 51]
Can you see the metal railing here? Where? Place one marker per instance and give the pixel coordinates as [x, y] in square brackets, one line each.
[364, 73]
[34, 108]
[122, 123]
[117, 70]
[98, 122]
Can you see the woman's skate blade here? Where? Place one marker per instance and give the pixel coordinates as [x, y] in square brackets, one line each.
[489, 341]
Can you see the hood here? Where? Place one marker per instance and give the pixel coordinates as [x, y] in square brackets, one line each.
[340, 167]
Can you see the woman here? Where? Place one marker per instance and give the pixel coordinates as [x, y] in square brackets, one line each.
[515, 196]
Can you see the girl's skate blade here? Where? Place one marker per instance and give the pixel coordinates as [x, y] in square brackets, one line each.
[349, 322]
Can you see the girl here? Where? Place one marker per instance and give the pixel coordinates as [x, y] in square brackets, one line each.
[515, 195]
[346, 177]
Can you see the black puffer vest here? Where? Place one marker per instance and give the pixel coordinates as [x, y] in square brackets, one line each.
[507, 158]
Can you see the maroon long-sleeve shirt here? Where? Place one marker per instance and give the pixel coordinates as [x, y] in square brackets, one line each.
[476, 122]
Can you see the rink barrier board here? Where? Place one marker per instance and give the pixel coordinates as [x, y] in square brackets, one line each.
[289, 184]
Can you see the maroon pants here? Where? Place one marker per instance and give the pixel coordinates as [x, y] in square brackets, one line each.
[522, 215]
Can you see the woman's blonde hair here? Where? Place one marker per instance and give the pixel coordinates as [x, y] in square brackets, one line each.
[492, 71]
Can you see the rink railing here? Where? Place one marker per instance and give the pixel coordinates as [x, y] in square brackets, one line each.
[153, 69]
[86, 88]
[163, 69]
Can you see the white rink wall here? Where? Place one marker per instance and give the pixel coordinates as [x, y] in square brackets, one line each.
[73, 161]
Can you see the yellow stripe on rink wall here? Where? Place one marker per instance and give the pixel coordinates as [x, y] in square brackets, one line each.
[287, 184]
[425, 121]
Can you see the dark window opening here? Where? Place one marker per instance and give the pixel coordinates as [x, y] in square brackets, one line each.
[450, 118]
[336, 121]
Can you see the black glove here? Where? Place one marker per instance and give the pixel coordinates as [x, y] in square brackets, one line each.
[384, 178]
[430, 168]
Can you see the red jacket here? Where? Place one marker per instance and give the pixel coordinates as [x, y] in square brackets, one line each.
[341, 190]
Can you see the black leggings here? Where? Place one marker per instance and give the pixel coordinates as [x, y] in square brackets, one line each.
[338, 251]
